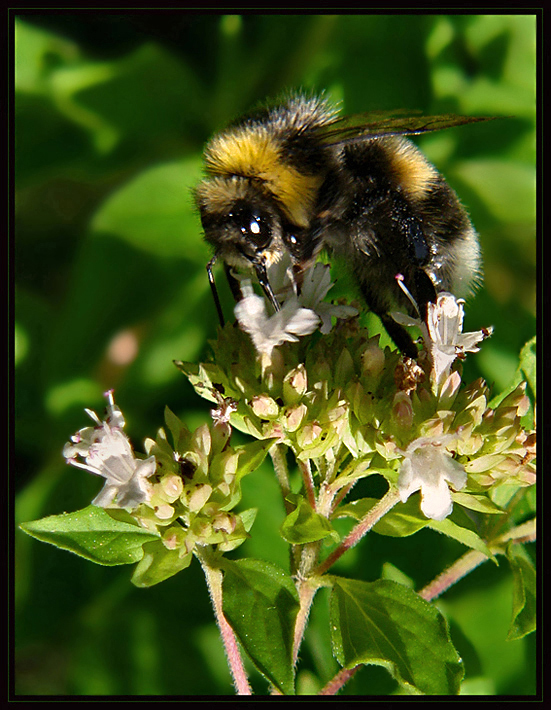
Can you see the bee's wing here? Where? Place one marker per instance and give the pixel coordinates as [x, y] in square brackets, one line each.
[377, 124]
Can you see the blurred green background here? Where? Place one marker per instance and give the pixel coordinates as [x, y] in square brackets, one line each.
[111, 113]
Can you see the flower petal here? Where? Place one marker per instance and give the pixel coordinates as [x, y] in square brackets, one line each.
[436, 500]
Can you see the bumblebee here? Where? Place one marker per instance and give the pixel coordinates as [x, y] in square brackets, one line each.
[297, 178]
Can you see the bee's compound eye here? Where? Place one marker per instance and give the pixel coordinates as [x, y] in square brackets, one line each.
[255, 227]
[294, 241]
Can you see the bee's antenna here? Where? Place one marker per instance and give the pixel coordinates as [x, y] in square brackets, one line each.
[215, 290]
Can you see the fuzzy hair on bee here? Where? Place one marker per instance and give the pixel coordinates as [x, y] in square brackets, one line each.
[297, 178]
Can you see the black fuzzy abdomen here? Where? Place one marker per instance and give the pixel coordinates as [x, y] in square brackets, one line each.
[383, 223]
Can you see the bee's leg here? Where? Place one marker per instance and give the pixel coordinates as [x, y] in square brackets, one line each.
[425, 292]
[233, 283]
[400, 336]
[397, 332]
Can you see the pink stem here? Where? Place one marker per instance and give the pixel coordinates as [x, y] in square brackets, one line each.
[214, 582]
[336, 683]
[470, 560]
[387, 502]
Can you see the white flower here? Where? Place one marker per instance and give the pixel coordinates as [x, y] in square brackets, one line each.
[300, 314]
[429, 467]
[315, 285]
[267, 332]
[446, 340]
[443, 336]
[107, 452]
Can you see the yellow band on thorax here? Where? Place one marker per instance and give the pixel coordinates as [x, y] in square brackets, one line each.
[258, 155]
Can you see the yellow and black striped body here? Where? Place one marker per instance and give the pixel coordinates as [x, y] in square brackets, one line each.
[283, 180]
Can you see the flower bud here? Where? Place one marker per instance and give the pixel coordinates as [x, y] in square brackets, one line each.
[224, 522]
[264, 407]
[308, 434]
[373, 359]
[164, 512]
[295, 385]
[199, 497]
[344, 369]
[294, 417]
[174, 537]
[172, 487]
[402, 410]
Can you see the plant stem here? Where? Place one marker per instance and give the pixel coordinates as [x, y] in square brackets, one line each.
[470, 560]
[336, 683]
[214, 582]
[309, 556]
[342, 493]
[279, 461]
[465, 564]
[387, 502]
[308, 481]
[306, 593]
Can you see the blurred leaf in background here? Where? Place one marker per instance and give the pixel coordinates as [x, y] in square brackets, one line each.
[111, 112]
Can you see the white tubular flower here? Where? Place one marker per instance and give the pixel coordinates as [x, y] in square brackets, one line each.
[429, 467]
[107, 452]
[443, 336]
[267, 332]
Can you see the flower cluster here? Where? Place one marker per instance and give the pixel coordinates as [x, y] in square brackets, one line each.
[183, 492]
[344, 406]
[198, 484]
[350, 409]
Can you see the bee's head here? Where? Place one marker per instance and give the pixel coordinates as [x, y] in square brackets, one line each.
[258, 197]
[240, 221]
[245, 224]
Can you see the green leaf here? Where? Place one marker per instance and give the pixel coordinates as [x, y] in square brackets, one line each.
[158, 564]
[403, 520]
[251, 456]
[200, 377]
[524, 592]
[385, 623]
[390, 571]
[463, 535]
[356, 509]
[261, 604]
[480, 503]
[151, 212]
[93, 534]
[178, 430]
[248, 517]
[304, 525]
[528, 363]
[526, 371]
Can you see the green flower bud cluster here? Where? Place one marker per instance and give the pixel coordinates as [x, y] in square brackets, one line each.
[495, 446]
[353, 408]
[196, 485]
